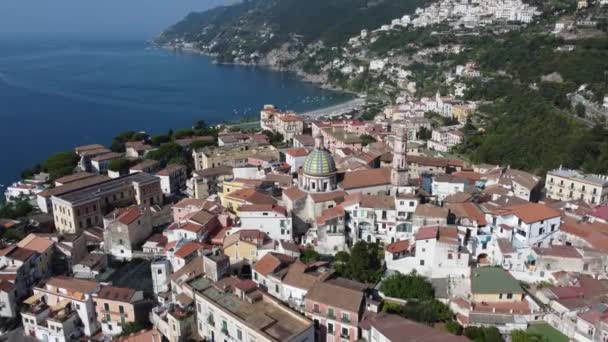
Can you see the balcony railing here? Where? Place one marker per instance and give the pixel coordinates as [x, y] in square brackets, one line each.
[331, 315]
[345, 319]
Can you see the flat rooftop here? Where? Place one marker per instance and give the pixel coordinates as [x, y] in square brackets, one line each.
[91, 192]
[265, 315]
[577, 175]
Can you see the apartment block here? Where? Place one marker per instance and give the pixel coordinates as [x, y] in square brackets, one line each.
[84, 208]
[565, 184]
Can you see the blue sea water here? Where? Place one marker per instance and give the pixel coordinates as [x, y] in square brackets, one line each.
[59, 92]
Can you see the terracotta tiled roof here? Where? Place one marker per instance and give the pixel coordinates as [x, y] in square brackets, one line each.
[271, 263]
[255, 236]
[251, 196]
[118, 294]
[334, 294]
[559, 251]
[72, 284]
[329, 214]
[366, 178]
[336, 196]
[425, 233]
[36, 243]
[264, 207]
[297, 152]
[189, 248]
[428, 210]
[294, 193]
[74, 177]
[533, 212]
[125, 215]
[398, 247]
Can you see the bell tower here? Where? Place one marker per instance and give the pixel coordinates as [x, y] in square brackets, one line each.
[399, 171]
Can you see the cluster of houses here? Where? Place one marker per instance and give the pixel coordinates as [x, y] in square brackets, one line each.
[224, 243]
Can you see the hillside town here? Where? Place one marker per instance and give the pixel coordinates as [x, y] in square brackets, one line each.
[372, 224]
[309, 230]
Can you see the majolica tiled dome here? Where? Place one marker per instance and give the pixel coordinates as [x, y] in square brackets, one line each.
[319, 163]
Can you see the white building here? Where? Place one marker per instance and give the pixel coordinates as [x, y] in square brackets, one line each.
[269, 218]
[295, 157]
[533, 224]
[247, 315]
[445, 185]
[173, 179]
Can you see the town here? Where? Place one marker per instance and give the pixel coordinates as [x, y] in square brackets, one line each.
[306, 230]
[378, 219]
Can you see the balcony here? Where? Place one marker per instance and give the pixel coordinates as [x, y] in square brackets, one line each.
[345, 319]
[345, 336]
[330, 315]
[210, 321]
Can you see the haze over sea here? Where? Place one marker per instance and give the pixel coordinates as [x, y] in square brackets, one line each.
[58, 92]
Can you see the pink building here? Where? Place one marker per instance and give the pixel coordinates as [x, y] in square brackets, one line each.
[336, 307]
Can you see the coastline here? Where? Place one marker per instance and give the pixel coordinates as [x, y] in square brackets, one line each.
[306, 78]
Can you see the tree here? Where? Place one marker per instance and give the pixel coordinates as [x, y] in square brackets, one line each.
[14, 210]
[363, 263]
[166, 152]
[200, 124]
[580, 110]
[183, 133]
[275, 138]
[483, 334]
[60, 164]
[133, 327]
[200, 144]
[424, 133]
[367, 139]
[118, 165]
[453, 327]
[160, 139]
[309, 255]
[523, 336]
[407, 286]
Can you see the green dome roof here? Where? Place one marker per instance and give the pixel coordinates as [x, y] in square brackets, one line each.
[319, 163]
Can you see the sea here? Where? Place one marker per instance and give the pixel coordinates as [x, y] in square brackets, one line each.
[59, 92]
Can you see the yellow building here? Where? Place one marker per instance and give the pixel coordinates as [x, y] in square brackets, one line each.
[236, 199]
[236, 184]
[247, 244]
[234, 156]
[493, 284]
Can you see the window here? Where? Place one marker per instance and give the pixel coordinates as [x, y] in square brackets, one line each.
[344, 333]
[421, 262]
[315, 308]
[450, 256]
[276, 288]
[330, 328]
[121, 309]
[239, 335]
[255, 275]
[552, 227]
[159, 271]
[509, 296]
[106, 307]
[345, 317]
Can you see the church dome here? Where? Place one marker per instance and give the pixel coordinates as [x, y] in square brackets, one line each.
[319, 163]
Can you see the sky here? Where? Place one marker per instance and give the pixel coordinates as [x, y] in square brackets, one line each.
[95, 17]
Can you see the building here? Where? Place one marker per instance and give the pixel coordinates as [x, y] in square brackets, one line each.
[249, 245]
[207, 182]
[269, 218]
[57, 305]
[126, 229]
[437, 253]
[233, 156]
[101, 163]
[173, 179]
[148, 166]
[385, 327]
[87, 153]
[85, 207]
[336, 306]
[445, 138]
[295, 158]
[533, 224]
[565, 184]
[245, 313]
[446, 185]
[288, 124]
[137, 149]
[43, 199]
[117, 306]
